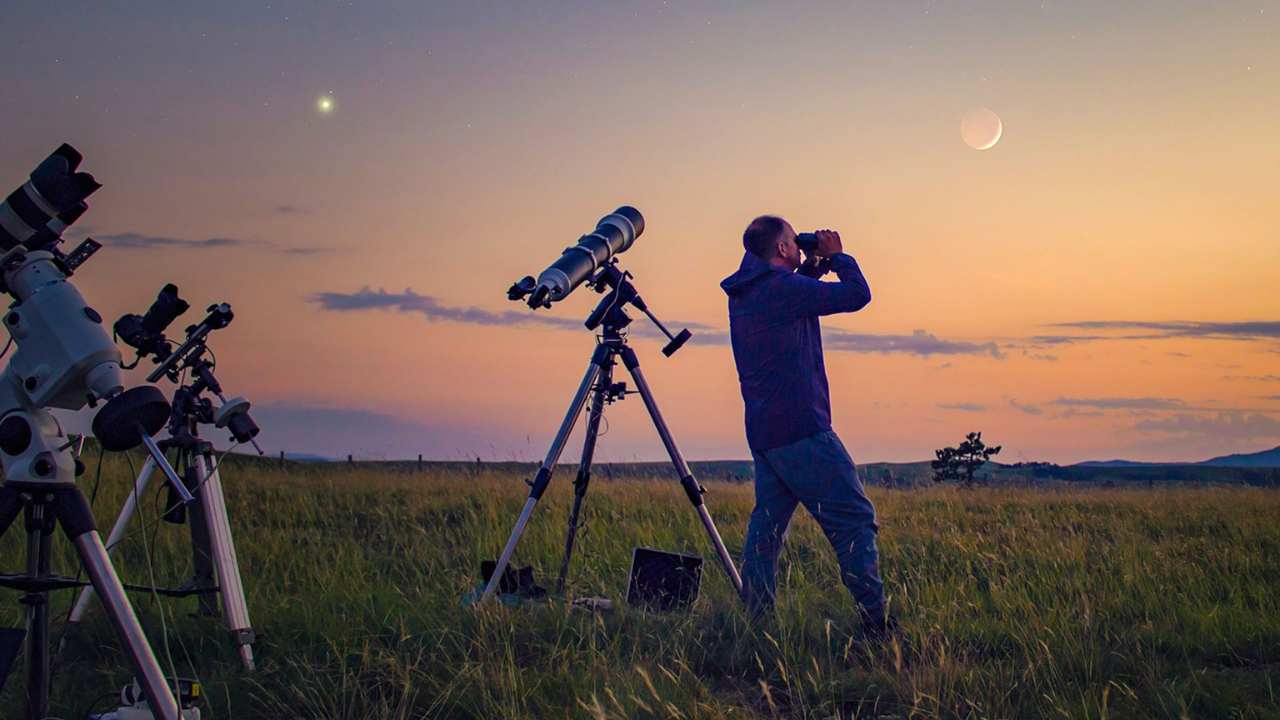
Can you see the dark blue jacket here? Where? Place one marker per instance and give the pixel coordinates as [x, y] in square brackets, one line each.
[777, 344]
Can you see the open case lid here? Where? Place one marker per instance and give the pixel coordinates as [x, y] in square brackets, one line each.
[663, 581]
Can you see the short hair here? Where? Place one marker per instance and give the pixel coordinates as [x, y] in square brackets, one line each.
[761, 236]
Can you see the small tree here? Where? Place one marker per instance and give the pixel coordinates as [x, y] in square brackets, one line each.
[960, 463]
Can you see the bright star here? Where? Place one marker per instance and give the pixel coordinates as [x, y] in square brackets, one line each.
[325, 104]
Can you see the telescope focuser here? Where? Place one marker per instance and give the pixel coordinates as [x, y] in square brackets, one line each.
[525, 287]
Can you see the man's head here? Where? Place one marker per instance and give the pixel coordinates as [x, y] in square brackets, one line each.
[773, 240]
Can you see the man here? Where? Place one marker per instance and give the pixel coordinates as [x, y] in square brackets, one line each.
[775, 301]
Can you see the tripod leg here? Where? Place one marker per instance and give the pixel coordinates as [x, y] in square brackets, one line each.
[224, 558]
[39, 525]
[543, 478]
[117, 533]
[77, 522]
[10, 506]
[584, 469]
[687, 481]
[203, 572]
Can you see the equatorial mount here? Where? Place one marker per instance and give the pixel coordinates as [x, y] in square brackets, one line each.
[191, 367]
[145, 333]
[615, 284]
[192, 407]
[619, 292]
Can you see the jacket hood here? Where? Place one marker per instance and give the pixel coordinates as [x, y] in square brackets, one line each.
[751, 269]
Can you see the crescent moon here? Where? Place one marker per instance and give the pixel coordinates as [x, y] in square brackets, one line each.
[981, 129]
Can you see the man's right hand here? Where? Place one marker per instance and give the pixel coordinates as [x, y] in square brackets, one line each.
[828, 243]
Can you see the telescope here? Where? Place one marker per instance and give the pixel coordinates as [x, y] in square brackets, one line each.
[64, 358]
[191, 366]
[593, 261]
[614, 234]
[145, 333]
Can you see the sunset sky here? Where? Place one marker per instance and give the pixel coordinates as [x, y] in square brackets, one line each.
[362, 181]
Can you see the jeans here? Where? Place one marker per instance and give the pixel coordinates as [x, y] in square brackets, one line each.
[818, 472]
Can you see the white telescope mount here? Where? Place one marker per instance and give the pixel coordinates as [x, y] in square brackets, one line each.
[65, 359]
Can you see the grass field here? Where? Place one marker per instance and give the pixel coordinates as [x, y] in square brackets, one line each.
[1083, 603]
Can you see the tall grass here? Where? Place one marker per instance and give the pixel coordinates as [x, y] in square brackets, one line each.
[1014, 603]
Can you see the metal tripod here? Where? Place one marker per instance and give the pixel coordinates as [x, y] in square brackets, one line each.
[45, 505]
[598, 382]
[213, 549]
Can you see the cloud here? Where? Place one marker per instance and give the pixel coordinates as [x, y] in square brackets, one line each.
[139, 241]
[308, 250]
[1028, 409]
[1253, 378]
[1199, 436]
[428, 307]
[1234, 425]
[1240, 330]
[918, 343]
[962, 407]
[131, 240]
[1072, 412]
[1122, 403]
[1144, 406]
[1036, 340]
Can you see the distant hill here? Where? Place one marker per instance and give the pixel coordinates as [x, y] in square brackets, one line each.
[307, 457]
[1266, 458]
[1119, 463]
[892, 475]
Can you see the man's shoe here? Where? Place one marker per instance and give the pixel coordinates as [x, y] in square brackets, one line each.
[884, 639]
[880, 629]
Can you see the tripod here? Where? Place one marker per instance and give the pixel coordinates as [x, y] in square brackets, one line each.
[598, 383]
[212, 547]
[45, 501]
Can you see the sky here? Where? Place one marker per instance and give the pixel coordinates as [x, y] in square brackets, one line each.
[363, 181]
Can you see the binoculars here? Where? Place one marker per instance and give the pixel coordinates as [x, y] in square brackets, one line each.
[807, 241]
